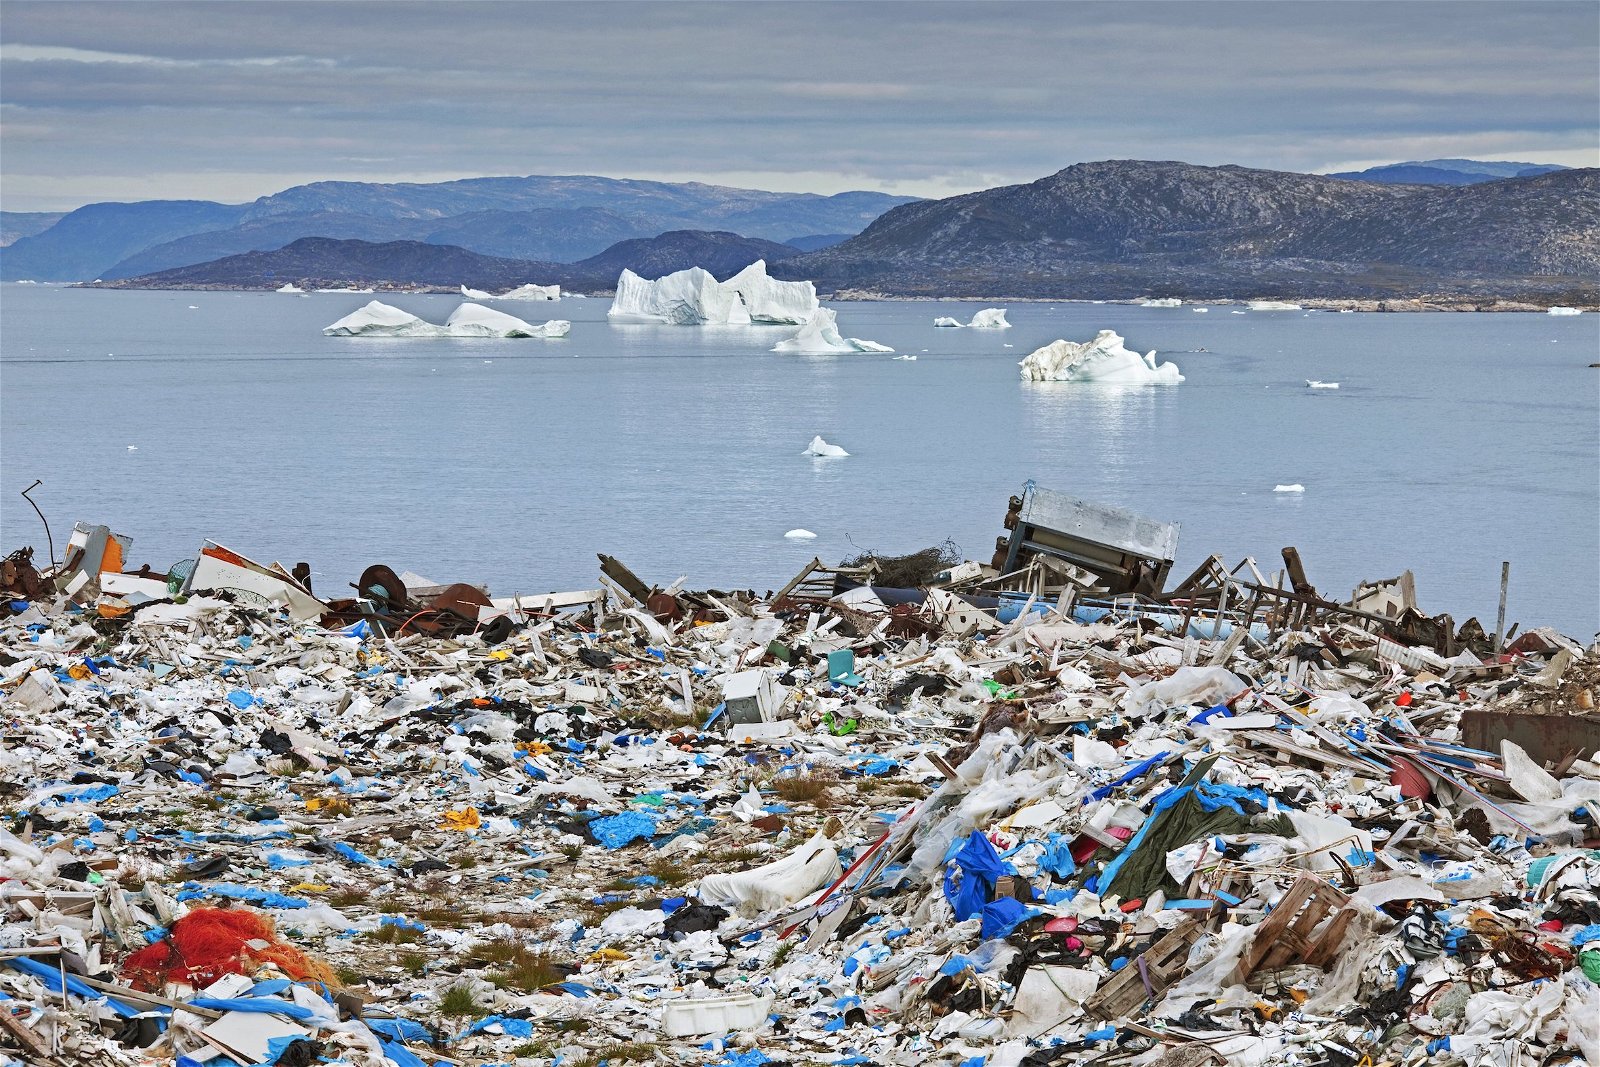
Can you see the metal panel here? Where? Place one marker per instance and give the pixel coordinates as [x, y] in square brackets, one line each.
[1101, 524]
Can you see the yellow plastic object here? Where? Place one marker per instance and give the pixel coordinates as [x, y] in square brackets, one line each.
[464, 819]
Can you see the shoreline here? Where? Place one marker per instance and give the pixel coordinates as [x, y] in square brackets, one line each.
[1361, 304]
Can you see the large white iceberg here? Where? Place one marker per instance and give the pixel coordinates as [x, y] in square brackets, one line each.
[475, 320]
[288, 287]
[694, 298]
[378, 319]
[987, 319]
[1564, 311]
[1105, 359]
[532, 292]
[1274, 305]
[820, 337]
[1163, 302]
[476, 294]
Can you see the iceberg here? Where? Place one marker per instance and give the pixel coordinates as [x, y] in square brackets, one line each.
[820, 336]
[1294, 487]
[694, 298]
[1274, 305]
[819, 447]
[532, 292]
[288, 287]
[1312, 383]
[378, 319]
[1564, 311]
[947, 322]
[801, 535]
[1163, 302]
[768, 300]
[1105, 359]
[476, 294]
[990, 319]
[475, 320]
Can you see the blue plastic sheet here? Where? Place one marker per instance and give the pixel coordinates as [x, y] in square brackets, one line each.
[401, 1055]
[1163, 802]
[1138, 770]
[1002, 916]
[1586, 935]
[51, 977]
[399, 1029]
[248, 894]
[979, 867]
[614, 831]
[258, 1005]
[1057, 857]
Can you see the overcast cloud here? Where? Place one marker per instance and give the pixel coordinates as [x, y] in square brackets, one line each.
[230, 101]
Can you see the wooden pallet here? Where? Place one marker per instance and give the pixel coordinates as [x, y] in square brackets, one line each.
[1286, 935]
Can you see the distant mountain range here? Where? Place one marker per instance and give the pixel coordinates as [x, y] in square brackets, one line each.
[15, 225]
[1111, 230]
[556, 219]
[1123, 229]
[329, 263]
[1447, 172]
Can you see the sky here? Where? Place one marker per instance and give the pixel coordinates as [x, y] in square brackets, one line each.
[138, 100]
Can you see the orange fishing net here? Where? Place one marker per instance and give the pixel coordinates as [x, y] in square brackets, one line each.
[208, 943]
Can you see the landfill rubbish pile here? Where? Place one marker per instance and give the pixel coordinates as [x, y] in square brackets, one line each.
[843, 824]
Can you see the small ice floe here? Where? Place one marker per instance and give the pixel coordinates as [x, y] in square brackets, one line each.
[819, 447]
[1294, 487]
[1236, 313]
[1347, 311]
[946, 322]
[1312, 383]
[1008, 346]
[194, 307]
[1274, 305]
[1564, 311]
[1200, 311]
[133, 448]
[1163, 302]
[476, 294]
[801, 535]
[905, 359]
[289, 287]
[820, 336]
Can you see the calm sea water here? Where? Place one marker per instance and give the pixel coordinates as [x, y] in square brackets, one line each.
[1455, 441]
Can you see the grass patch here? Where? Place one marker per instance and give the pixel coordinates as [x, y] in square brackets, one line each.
[466, 863]
[670, 872]
[348, 897]
[813, 788]
[349, 975]
[414, 963]
[394, 934]
[521, 920]
[572, 852]
[592, 913]
[442, 916]
[782, 954]
[458, 1001]
[635, 1052]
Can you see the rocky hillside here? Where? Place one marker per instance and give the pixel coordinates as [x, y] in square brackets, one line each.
[558, 218]
[321, 262]
[1122, 229]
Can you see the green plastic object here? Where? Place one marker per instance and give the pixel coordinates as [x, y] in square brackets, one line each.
[1590, 962]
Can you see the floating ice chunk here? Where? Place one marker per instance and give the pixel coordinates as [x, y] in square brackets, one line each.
[1200, 311]
[1104, 359]
[819, 447]
[820, 336]
[801, 535]
[194, 307]
[990, 319]
[1564, 311]
[1236, 313]
[1274, 305]
[1312, 383]
[1163, 302]
[475, 320]
[377, 319]
[532, 292]
[288, 287]
[694, 298]
[475, 294]
[768, 300]
[906, 359]
[684, 298]
[1294, 487]
[946, 322]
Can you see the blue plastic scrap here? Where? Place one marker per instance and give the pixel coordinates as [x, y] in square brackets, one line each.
[51, 977]
[1002, 916]
[615, 831]
[979, 866]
